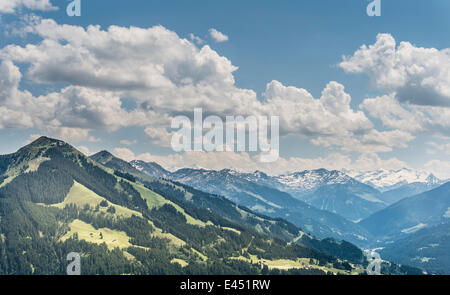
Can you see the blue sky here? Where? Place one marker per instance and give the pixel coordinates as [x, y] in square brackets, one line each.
[298, 43]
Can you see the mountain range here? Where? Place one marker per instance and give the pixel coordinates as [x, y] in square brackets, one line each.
[415, 230]
[388, 217]
[386, 180]
[54, 200]
[138, 218]
[426, 248]
[411, 214]
[254, 192]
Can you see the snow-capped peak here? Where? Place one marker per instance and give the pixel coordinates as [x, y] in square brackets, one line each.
[310, 179]
[389, 179]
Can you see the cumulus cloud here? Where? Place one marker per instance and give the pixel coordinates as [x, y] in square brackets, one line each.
[417, 75]
[411, 119]
[372, 161]
[218, 36]
[11, 6]
[439, 168]
[436, 147]
[12, 99]
[68, 114]
[329, 120]
[128, 142]
[196, 39]
[85, 150]
[124, 154]
[166, 76]
[300, 112]
[154, 65]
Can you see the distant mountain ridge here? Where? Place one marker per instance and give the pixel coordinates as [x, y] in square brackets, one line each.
[408, 190]
[411, 214]
[333, 191]
[261, 193]
[385, 180]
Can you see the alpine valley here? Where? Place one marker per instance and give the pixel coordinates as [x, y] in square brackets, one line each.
[370, 209]
[138, 218]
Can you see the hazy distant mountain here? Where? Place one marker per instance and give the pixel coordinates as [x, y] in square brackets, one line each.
[309, 180]
[333, 191]
[352, 202]
[385, 180]
[407, 190]
[411, 214]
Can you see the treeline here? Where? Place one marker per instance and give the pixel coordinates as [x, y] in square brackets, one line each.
[342, 249]
[49, 185]
[127, 176]
[53, 180]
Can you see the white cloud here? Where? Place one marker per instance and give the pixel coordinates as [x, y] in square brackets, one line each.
[444, 147]
[124, 154]
[392, 114]
[128, 142]
[439, 168]
[372, 142]
[196, 39]
[85, 150]
[371, 161]
[417, 75]
[329, 120]
[12, 99]
[301, 113]
[11, 6]
[408, 118]
[218, 36]
[166, 76]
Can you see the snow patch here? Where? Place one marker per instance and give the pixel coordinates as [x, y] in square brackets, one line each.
[413, 229]
[392, 178]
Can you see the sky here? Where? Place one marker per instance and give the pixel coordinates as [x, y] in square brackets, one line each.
[351, 91]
